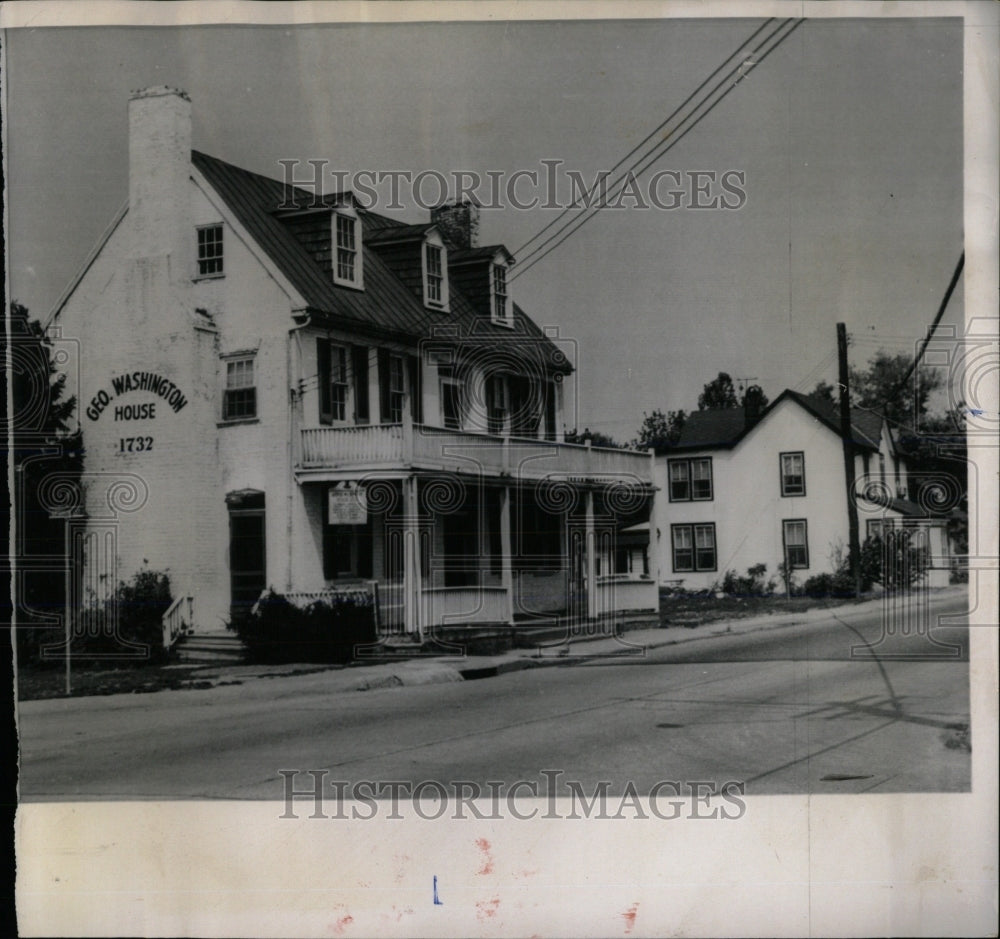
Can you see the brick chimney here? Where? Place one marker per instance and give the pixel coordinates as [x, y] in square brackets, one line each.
[459, 223]
[753, 405]
[159, 153]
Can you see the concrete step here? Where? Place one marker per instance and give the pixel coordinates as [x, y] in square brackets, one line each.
[212, 649]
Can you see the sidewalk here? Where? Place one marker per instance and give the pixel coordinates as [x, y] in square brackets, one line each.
[438, 669]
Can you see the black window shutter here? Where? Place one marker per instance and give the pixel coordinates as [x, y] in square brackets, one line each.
[360, 363]
[384, 386]
[323, 376]
[416, 389]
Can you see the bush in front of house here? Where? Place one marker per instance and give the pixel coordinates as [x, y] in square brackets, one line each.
[141, 603]
[752, 585]
[895, 562]
[324, 631]
[837, 584]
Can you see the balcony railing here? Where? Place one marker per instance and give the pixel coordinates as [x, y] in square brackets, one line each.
[418, 446]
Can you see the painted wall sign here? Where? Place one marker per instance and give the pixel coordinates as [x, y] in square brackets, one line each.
[150, 382]
[347, 506]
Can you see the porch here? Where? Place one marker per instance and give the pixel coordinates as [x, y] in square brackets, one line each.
[439, 551]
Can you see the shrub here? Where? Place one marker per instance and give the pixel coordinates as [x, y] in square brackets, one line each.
[895, 563]
[753, 585]
[838, 584]
[141, 603]
[324, 631]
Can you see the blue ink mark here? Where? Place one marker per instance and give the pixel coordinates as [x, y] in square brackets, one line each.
[975, 412]
[437, 901]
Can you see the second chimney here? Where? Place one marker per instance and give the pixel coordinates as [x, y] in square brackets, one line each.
[459, 223]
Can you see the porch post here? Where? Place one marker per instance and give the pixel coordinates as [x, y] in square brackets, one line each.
[411, 559]
[591, 546]
[506, 570]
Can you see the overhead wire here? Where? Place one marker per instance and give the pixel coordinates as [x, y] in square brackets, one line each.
[571, 227]
[653, 132]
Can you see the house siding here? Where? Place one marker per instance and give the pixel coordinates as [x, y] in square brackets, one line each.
[747, 506]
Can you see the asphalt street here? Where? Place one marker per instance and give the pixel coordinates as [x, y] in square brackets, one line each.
[796, 709]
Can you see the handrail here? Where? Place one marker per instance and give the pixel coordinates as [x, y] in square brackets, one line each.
[175, 623]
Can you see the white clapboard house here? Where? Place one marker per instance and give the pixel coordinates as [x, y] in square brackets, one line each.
[742, 488]
[299, 394]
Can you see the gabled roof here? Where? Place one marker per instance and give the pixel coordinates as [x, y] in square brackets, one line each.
[723, 428]
[385, 306]
[866, 425]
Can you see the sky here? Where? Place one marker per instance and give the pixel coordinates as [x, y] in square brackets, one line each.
[849, 136]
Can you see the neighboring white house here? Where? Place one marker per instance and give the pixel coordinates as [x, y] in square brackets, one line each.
[740, 490]
[282, 389]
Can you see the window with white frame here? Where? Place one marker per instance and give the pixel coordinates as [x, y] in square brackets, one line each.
[210, 251]
[796, 543]
[501, 300]
[435, 273]
[338, 382]
[694, 547]
[690, 480]
[498, 403]
[397, 389]
[435, 277]
[332, 377]
[451, 400]
[347, 249]
[239, 400]
[793, 474]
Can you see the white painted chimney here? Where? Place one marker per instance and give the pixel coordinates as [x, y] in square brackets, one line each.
[159, 152]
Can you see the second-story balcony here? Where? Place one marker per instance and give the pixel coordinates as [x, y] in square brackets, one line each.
[342, 452]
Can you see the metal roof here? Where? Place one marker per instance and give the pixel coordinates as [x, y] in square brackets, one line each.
[386, 306]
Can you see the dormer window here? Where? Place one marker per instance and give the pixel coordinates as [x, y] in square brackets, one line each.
[501, 302]
[434, 275]
[347, 249]
[435, 269]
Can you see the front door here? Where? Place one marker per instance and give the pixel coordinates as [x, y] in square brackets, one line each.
[247, 570]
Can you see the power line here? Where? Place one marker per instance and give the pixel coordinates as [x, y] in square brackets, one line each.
[574, 225]
[666, 143]
[653, 132]
[663, 146]
[930, 332]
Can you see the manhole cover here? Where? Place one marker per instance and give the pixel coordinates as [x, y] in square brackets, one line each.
[843, 777]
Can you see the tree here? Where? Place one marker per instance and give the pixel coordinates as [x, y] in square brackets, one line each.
[880, 386]
[825, 392]
[659, 430]
[718, 393]
[596, 438]
[42, 443]
[721, 393]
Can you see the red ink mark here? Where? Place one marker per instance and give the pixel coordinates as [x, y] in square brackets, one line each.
[629, 917]
[338, 927]
[487, 909]
[484, 846]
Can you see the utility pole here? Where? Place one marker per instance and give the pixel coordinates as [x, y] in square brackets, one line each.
[847, 437]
